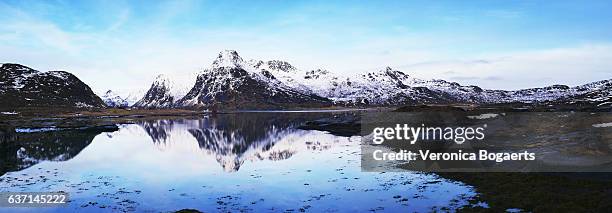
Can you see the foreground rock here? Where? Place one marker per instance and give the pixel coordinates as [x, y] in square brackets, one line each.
[347, 125]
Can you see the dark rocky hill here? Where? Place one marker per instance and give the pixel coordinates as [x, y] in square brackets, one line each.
[21, 86]
[231, 83]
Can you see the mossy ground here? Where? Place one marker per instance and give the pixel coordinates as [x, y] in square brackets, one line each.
[539, 192]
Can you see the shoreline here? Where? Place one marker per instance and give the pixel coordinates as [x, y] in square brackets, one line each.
[44, 118]
[500, 190]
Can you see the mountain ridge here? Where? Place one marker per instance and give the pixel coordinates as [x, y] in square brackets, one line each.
[22, 86]
[231, 82]
[384, 87]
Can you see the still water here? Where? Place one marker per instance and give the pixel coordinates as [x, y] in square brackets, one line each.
[234, 162]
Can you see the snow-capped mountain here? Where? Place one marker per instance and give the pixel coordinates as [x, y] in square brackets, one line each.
[163, 93]
[599, 92]
[392, 87]
[596, 93]
[21, 86]
[382, 87]
[112, 99]
[231, 82]
[122, 98]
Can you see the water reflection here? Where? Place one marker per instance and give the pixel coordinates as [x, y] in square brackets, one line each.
[241, 162]
[25, 149]
[233, 138]
[158, 129]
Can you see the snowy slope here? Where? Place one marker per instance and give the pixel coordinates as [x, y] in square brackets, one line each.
[163, 93]
[21, 86]
[112, 99]
[591, 92]
[122, 98]
[393, 87]
[382, 87]
[231, 82]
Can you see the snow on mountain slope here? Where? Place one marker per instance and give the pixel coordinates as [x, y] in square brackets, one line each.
[231, 82]
[21, 86]
[599, 91]
[163, 93]
[383, 87]
[122, 98]
[393, 87]
[133, 96]
[113, 99]
[591, 92]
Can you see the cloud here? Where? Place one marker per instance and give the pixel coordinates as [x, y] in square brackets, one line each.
[522, 69]
[476, 78]
[493, 78]
[464, 78]
[129, 49]
[27, 28]
[122, 17]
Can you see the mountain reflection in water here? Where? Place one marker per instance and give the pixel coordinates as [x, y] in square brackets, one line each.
[231, 162]
[22, 150]
[234, 138]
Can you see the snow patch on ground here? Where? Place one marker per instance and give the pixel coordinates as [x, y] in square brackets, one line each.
[30, 130]
[483, 116]
[601, 125]
[83, 105]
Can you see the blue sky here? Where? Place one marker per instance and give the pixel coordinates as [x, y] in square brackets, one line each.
[494, 44]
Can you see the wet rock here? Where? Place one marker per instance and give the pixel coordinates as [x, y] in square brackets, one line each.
[340, 125]
[188, 211]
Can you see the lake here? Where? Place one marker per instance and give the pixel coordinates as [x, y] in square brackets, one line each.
[228, 162]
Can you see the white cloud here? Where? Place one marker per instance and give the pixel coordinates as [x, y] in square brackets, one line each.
[516, 70]
[120, 57]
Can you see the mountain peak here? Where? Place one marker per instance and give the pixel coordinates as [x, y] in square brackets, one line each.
[16, 67]
[162, 79]
[280, 66]
[21, 86]
[392, 72]
[228, 58]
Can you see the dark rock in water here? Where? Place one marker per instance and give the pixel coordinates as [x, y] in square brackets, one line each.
[341, 125]
[433, 108]
[21, 86]
[188, 211]
[7, 133]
